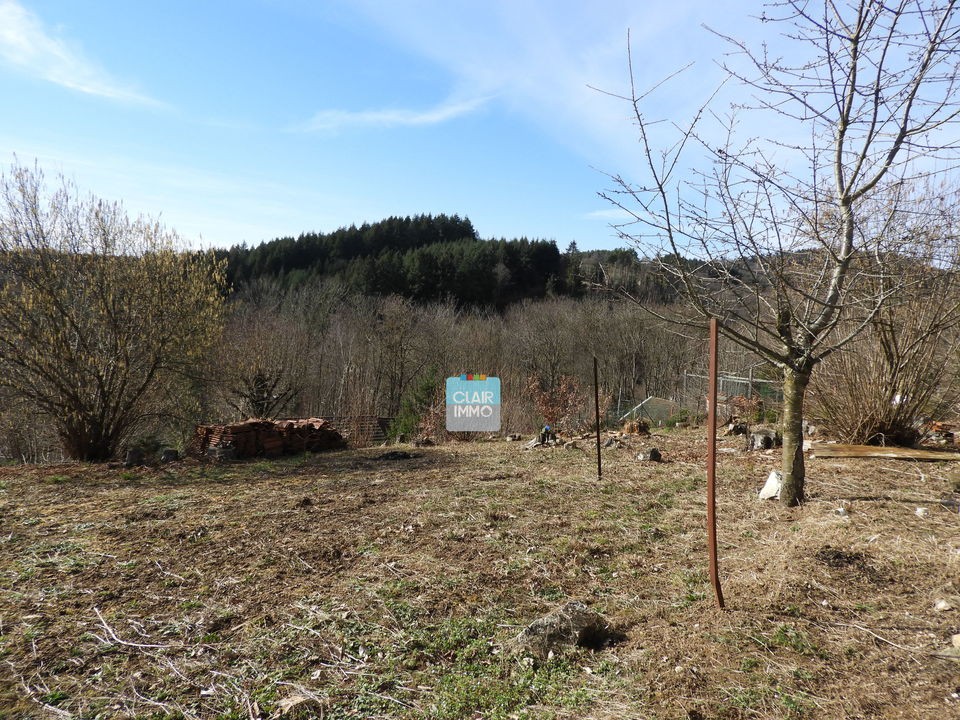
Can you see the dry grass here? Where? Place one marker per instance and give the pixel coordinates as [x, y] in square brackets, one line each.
[343, 586]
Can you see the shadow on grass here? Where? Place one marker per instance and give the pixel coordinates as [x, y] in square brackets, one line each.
[192, 472]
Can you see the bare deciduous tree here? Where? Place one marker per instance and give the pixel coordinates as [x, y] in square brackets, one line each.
[272, 347]
[785, 236]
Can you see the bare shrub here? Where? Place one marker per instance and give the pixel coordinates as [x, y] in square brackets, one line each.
[271, 348]
[560, 403]
[26, 434]
[433, 421]
[882, 387]
[104, 320]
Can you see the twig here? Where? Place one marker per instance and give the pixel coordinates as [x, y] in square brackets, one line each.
[304, 628]
[174, 669]
[120, 641]
[343, 653]
[45, 706]
[389, 566]
[169, 709]
[52, 709]
[309, 567]
[393, 699]
[167, 572]
[915, 651]
[303, 691]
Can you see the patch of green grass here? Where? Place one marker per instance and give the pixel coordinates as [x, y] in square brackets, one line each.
[476, 693]
[54, 697]
[665, 500]
[213, 472]
[399, 588]
[750, 698]
[165, 501]
[66, 557]
[691, 597]
[769, 701]
[445, 668]
[265, 467]
[551, 593]
[274, 466]
[695, 582]
[796, 705]
[369, 548]
[787, 636]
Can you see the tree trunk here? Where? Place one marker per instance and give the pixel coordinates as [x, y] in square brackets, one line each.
[794, 389]
[87, 443]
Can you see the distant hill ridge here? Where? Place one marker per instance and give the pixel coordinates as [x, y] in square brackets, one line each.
[426, 258]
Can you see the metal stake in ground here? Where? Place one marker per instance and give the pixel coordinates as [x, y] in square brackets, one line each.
[712, 466]
[596, 407]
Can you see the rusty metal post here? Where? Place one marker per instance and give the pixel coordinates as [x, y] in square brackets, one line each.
[596, 406]
[712, 467]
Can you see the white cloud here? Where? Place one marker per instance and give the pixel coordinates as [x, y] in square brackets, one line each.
[26, 44]
[610, 215]
[393, 117]
[542, 59]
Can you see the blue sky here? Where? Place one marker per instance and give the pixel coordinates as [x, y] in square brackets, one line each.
[247, 120]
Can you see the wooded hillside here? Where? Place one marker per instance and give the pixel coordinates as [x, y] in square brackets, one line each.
[427, 258]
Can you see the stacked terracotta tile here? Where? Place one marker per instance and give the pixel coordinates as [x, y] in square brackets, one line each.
[252, 438]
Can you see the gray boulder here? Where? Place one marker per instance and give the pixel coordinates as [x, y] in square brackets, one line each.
[571, 625]
[651, 455]
[222, 453]
[134, 458]
[764, 440]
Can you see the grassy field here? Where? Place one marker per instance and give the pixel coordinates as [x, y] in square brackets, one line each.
[344, 585]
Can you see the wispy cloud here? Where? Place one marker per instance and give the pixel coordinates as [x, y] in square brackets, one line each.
[542, 59]
[610, 215]
[392, 117]
[27, 45]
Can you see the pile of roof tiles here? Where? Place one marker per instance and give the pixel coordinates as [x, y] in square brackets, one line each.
[270, 438]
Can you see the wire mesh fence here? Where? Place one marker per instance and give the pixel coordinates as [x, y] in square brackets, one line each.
[736, 395]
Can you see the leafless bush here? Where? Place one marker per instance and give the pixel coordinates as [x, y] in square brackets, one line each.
[882, 387]
[26, 435]
[433, 422]
[560, 404]
[271, 348]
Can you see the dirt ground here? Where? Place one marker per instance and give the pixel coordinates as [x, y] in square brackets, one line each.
[346, 585]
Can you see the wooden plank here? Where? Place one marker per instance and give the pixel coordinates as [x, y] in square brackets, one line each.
[829, 450]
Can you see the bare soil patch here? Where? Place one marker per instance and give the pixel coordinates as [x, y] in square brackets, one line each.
[345, 585]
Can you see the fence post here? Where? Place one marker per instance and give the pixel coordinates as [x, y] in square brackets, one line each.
[596, 405]
[712, 467]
